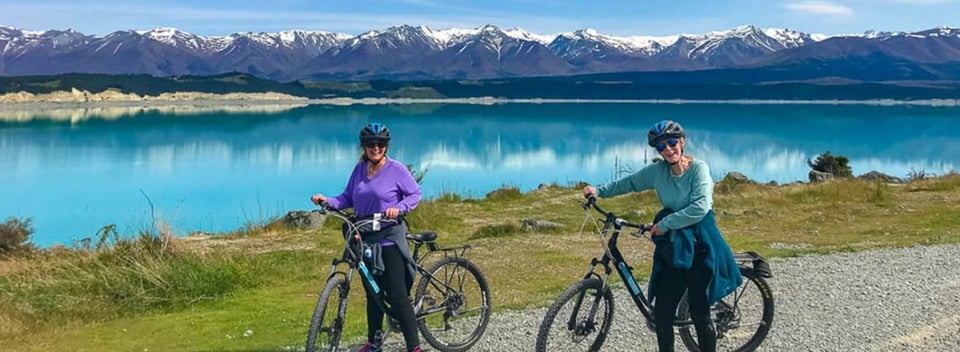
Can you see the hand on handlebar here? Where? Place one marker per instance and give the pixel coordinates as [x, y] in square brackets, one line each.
[318, 199]
[589, 191]
[656, 230]
[392, 213]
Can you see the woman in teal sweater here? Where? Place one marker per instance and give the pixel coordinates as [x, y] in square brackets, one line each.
[690, 254]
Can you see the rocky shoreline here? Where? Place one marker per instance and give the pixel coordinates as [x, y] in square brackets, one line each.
[84, 97]
[112, 97]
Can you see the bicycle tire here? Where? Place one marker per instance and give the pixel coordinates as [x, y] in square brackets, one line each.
[748, 297]
[579, 329]
[448, 306]
[333, 292]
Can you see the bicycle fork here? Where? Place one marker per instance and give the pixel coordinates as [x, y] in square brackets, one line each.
[587, 325]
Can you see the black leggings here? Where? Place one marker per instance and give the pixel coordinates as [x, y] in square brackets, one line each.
[671, 283]
[393, 282]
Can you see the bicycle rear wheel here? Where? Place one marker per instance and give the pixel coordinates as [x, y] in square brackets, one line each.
[742, 319]
[583, 310]
[452, 304]
[326, 325]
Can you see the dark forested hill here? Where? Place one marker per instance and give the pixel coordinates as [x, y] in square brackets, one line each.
[734, 84]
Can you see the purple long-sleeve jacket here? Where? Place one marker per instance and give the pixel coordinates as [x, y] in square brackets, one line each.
[392, 187]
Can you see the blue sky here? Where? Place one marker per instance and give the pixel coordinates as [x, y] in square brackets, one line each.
[627, 17]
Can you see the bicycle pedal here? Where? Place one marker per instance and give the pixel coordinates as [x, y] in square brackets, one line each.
[378, 338]
[392, 326]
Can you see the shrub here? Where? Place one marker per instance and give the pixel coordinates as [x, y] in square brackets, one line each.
[495, 230]
[417, 174]
[505, 193]
[835, 165]
[15, 236]
[918, 175]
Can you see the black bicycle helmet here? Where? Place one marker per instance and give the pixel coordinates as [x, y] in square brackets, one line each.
[374, 131]
[664, 130]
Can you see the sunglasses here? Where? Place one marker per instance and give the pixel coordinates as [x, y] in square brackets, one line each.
[375, 144]
[672, 142]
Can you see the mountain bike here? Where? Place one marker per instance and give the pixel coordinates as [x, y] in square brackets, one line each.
[451, 301]
[581, 316]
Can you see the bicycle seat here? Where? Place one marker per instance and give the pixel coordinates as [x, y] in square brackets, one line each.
[426, 236]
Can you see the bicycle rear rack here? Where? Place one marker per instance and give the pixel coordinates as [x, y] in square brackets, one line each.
[760, 266]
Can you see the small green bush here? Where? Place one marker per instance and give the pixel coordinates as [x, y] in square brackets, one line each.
[496, 230]
[15, 236]
[918, 175]
[836, 165]
[505, 193]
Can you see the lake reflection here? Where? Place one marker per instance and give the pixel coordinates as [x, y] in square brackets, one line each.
[216, 170]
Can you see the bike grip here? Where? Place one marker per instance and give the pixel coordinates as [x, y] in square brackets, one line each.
[591, 199]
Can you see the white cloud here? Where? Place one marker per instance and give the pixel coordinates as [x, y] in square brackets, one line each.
[820, 8]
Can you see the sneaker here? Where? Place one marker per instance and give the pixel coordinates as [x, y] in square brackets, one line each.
[370, 347]
[417, 349]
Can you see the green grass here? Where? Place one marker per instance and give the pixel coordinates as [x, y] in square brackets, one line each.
[495, 230]
[203, 295]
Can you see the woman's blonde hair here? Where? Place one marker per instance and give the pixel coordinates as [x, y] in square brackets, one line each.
[363, 153]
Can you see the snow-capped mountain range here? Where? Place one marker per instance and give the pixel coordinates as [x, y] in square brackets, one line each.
[409, 52]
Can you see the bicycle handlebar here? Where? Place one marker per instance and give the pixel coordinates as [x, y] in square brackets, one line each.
[612, 218]
[358, 223]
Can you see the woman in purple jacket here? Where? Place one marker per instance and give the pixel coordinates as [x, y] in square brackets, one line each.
[383, 185]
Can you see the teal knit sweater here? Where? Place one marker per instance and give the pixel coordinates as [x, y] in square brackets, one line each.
[691, 194]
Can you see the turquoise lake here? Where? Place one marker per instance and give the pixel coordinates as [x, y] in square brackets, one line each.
[74, 171]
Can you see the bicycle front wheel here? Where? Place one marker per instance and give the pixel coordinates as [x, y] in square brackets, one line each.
[452, 303]
[326, 325]
[578, 320]
[742, 319]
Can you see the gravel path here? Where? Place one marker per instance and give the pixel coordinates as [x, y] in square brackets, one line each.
[884, 300]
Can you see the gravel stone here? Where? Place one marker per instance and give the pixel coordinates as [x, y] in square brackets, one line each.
[904, 299]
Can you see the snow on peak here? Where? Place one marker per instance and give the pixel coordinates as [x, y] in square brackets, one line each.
[645, 41]
[446, 38]
[788, 37]
[648, 45]
[942, 31]
[177, 38]
[289, 37]
[522, 34]
[163, 33]
[489, 28]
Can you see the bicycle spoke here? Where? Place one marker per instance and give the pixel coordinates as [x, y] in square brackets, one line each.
[738, 319]
[454, 305]
[326, 324]
[578, 320]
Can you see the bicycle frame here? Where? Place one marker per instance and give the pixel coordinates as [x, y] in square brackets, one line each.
[612, 254]
[353, 259]
[615, 225]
